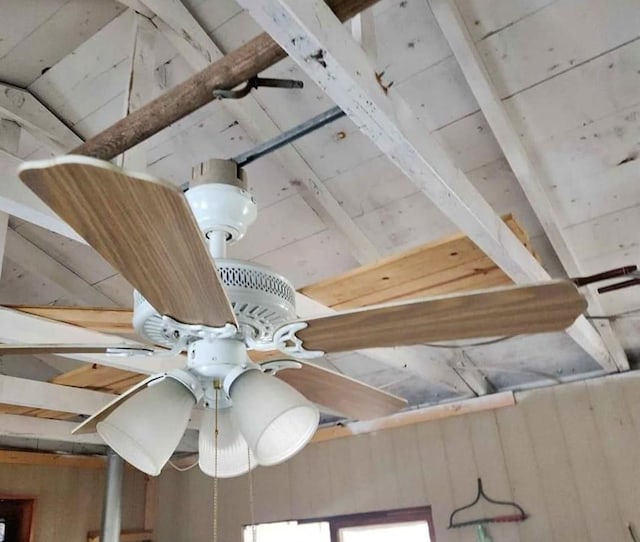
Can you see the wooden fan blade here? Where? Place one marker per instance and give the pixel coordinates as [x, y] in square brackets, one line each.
[35, 349]
[341, 393]
[89, 425]
[513, 310]
[140, 225]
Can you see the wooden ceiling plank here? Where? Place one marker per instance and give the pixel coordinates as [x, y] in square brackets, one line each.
[478, 278]
[37, 261]
[116, 321]
[175, 21]
[434, 263]
[324, 49]
[527, 171]
[17, 457]
[422, 415]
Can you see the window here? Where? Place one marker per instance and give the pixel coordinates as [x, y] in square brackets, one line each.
[407, 525]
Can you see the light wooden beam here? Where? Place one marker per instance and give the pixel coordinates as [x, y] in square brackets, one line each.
[46, 396]
[17, 457]
[22, 328]
[193, 43]
[29, 427]
[526, 170]
[421, 415]
[311, 34]
[37, 261]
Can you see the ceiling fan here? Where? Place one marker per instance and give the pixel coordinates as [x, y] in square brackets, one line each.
[165, 244]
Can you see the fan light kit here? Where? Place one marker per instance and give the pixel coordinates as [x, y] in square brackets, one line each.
[190, 297]
[256, 414]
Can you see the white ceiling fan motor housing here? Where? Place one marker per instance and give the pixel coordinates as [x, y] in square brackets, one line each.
[220, 201]
[261, 299]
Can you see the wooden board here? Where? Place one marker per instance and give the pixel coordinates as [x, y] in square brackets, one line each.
[125, 536]
[140, 225]
[453, 264]
[514, 310]
[98, 377]
[341, 393]
[105, 320]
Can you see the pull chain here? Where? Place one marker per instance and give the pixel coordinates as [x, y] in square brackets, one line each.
[215, 471]
[254, 529]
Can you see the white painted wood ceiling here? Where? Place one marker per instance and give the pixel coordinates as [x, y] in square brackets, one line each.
[568, 74]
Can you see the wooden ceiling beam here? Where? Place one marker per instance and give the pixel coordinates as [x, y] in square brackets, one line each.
[525, 168]
[192, 42]
[237, 67]
[324, 49]
[19, 457]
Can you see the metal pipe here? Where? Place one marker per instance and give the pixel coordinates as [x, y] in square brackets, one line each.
[289, 136]
[112, 504]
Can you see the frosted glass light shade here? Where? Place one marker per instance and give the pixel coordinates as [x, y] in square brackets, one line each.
[233, 452]
[275, 419]
[146, 428]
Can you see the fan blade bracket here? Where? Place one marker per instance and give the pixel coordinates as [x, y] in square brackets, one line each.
[272, 367]
[286, 340]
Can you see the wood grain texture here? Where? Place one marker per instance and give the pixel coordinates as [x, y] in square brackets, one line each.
[513, 310]
[232, 70]
[105, 320]
[412, 417]
[142, 227]
[452, 264]
[16, 457]
[31, 350]
[341, 393]
[125, 536]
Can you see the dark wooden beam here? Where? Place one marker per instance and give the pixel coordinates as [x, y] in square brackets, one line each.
[230, 71]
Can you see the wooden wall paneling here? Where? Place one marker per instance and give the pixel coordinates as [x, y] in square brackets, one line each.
[463, 471]
[436, 479]
[300, 478]
[588, 463]
[322, 503]
[270, 503]
[342, 477]
[541, 39]
[524, 474]
[406, 465]
[559, 487]
[362, 472]
[490, 461]
[616, 435]
[385, 484]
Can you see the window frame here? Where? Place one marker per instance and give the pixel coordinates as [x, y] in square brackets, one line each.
[378, 517]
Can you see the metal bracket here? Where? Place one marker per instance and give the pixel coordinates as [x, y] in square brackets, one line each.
[286, 340]
[187, 331]
[272, 367]
[256, 82]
